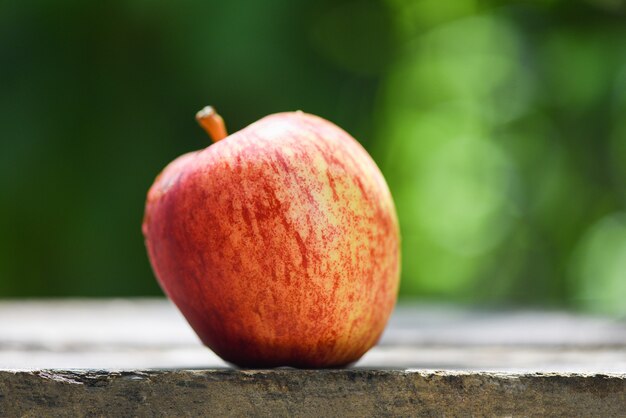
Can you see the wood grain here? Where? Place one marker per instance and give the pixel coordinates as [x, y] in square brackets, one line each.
[140, 358]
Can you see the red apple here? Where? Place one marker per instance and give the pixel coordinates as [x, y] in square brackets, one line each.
[278, 243]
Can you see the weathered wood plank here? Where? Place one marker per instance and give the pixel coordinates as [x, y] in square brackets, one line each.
[287, 393]
[147, 334]
[150, 340]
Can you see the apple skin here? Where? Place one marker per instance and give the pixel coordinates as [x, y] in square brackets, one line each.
[279, 244]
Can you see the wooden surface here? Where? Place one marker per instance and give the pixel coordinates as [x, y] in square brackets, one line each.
[148, 334]
[306, 393]
[140, 358]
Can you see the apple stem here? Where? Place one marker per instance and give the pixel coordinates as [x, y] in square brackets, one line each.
[212, 123]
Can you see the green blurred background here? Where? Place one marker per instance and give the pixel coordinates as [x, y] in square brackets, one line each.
[500, 127]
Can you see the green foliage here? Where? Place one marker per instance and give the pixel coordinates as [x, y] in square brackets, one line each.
[499, 127]
[499, 139]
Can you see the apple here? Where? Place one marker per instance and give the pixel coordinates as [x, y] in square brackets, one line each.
[278, 243]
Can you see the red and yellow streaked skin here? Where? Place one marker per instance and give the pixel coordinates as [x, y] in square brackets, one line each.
[279, 244]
